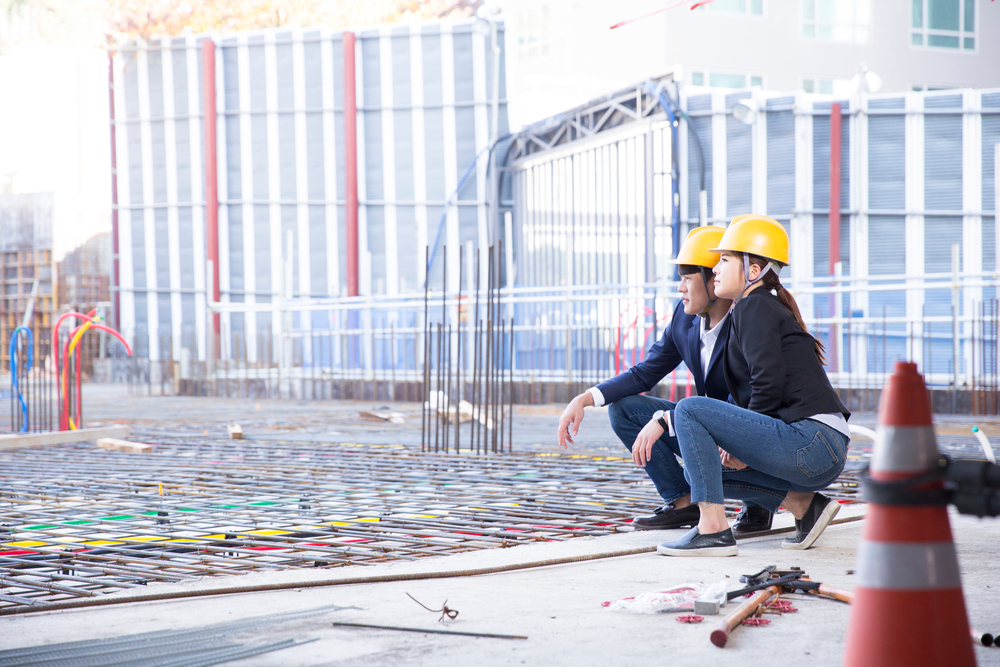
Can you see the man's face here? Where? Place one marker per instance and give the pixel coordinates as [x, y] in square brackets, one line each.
[693, 294]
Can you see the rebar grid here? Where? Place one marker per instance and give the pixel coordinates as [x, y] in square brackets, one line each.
[79, 522]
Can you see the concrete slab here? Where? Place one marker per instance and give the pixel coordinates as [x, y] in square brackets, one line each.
[558, 608]
[21, 440]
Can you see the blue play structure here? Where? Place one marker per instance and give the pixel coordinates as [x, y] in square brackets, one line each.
[14, 370]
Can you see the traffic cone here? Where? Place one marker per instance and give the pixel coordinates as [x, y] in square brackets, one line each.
[908, 607]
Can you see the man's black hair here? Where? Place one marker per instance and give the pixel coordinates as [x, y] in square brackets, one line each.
[688, 269]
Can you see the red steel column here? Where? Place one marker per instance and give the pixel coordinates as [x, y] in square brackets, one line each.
[351, 163]
[835, 125]
[211, 172]
[115, 278]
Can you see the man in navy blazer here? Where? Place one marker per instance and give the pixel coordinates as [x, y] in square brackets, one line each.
[695, 335]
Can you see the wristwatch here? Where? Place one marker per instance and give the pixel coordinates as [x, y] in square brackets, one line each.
[658, 416]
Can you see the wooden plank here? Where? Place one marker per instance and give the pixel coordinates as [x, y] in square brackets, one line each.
[22, 440]
[116, 445]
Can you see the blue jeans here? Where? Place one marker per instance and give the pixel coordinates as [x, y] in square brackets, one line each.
[628, 416]
[803, 456]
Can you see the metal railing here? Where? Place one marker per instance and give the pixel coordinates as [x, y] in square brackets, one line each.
[571, 337]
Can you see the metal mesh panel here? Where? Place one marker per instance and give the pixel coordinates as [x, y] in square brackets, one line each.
[288, 178]
[134, 142]
[465, 150]
[259, 156]
[887, 256]
[179, 60]
[739, 161]
[703, 127]
[462, 48]
[430, 44]
[943, 162]
[262, 246]
[403, 154]
[939, 236]
[434, 156]
[886, 162]
[289, 223]
[780, 163]
[185, 234]
[376, 246]
[318, 253]
[236, 251]
[410, 255]
[182, 158]
[991, 137]
[158, 157]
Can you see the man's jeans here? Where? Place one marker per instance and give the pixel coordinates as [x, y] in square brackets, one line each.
[628, 416]
[804, 456]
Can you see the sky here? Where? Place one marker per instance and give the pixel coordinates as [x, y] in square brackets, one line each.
[54, 134]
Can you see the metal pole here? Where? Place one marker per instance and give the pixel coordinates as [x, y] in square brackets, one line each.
[955, 296]
[115, 277]
[351, 163]
[835, 127]
[209, 121]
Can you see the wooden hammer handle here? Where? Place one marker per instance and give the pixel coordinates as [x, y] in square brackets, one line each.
[720, 633]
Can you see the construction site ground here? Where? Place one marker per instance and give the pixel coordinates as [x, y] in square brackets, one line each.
[555, 610]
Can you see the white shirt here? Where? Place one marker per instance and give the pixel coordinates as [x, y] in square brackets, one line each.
[708, 340]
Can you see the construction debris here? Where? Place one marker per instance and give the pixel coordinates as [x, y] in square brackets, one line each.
[382, 415]
[116, 445]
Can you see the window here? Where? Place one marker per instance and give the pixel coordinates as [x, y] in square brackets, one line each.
[837, 20]
[726, 80]
[753, 7]
[945, 24]
[838, 87]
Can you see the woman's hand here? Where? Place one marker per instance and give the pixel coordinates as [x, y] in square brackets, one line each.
[642, 449]
[730, 461]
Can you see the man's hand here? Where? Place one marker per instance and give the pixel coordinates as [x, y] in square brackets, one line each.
[730, 461]
[642, 449]
[572, 416]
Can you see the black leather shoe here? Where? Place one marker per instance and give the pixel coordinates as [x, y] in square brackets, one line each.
[752, 519]
[666, 517]
[694, 543]
[808, 529]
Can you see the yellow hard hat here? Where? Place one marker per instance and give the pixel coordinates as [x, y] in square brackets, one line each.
[695, 249]
[756, 235]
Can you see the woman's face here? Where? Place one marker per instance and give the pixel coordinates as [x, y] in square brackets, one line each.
[729, 276]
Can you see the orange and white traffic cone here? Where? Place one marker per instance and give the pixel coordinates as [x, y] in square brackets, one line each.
[908, 607]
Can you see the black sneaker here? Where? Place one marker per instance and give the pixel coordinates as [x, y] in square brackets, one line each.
[695, 544]
[752, 519]
[666, 517]
[812, 524]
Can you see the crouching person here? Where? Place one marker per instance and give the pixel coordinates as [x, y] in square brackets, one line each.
[784, 437]
[695, 335]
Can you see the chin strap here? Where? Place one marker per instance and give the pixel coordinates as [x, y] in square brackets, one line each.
[771, 266]
[711, 301]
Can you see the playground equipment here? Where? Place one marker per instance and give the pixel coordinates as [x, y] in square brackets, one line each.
[67, 405]
[14, 338]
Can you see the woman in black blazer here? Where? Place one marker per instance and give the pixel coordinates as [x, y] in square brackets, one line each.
[783, 435]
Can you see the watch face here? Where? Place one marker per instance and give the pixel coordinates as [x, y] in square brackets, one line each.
[658, 414]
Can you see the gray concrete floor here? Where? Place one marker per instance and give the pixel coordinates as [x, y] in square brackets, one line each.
[558, 607]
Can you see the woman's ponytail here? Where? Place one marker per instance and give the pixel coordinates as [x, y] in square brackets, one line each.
[772, 282]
